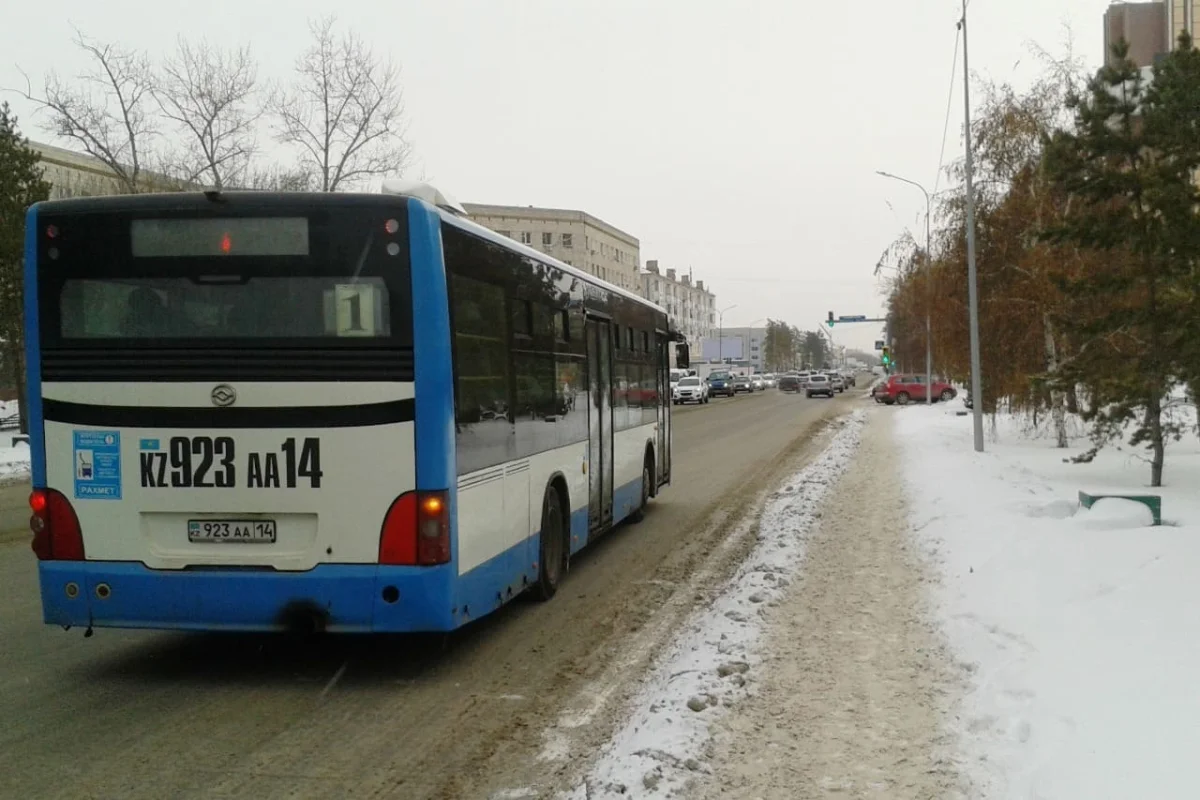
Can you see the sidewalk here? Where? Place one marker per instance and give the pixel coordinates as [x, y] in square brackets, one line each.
[856, 685]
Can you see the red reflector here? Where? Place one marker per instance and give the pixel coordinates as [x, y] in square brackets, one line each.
[56, 532]
[398, 539]
[226, 244]
[416, 530]
[51, 231]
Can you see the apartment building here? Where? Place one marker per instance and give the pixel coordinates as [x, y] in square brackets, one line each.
[575, 237]
[690, 306]
[1150, 28]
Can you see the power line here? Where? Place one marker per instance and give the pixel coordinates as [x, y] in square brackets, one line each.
[949, 103]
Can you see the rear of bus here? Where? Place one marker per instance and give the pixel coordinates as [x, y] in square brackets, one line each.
[223, 412]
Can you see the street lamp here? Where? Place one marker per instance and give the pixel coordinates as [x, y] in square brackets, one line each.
[928, 285]
[721, 332]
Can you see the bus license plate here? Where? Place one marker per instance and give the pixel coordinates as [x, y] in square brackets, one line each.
[252, 531]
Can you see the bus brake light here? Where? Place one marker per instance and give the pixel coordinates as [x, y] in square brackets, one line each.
[56, 532]
[416, 530]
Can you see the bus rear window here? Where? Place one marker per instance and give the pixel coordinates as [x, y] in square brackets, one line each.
[225, 307]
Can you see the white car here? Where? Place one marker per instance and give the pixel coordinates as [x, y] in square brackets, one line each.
[758, 382]
[836, 381]
[818, 384]
[770, 380]
[690, 390]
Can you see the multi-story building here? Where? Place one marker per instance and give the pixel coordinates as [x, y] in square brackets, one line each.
[1150, 28]
[72, 174]
[690, 306]
[575, 237]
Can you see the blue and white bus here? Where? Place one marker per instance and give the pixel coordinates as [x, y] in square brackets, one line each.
[342, 412]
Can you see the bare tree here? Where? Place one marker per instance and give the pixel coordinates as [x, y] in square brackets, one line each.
[105, 110]
[209, 94]
[274, 178]
[345, 114]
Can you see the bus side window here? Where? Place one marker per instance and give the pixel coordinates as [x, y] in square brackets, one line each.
[482, 364]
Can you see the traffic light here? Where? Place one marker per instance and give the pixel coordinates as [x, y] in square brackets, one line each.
[830, 321]
[886, 356]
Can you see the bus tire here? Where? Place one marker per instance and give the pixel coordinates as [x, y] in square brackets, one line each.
[553, 551]
[639, 513]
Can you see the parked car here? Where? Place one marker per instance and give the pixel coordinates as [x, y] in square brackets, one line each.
[689, 390]
[790, 383]
[742, 383]
[818, 384]
[903, 389]
[720, 384]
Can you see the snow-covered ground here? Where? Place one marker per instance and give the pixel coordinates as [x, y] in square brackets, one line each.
[14, 461]
[663, 746]
[1078, 631]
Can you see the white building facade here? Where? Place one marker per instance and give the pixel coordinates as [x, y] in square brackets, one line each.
[575, 237]
[690, 306]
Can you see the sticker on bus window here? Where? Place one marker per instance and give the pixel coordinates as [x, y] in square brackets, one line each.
[97, 465]
[357, 309]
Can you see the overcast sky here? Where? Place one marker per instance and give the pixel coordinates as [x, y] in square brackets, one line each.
[735, 138]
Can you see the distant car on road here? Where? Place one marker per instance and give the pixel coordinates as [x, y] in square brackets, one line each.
[818, 384]
[689, 390]
[770, 380]
[836, 382]
[742, 383]
[903, 389]
[758, 381]
[720, 383]
[790, 383]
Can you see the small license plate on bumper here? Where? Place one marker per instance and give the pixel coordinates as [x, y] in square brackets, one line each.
[246, 531]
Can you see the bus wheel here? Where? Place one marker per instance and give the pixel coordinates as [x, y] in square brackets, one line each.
[639, 514]
[552, 547]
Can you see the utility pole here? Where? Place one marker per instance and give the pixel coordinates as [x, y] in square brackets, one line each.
[928, 286]
[721, 332]
[972, 276]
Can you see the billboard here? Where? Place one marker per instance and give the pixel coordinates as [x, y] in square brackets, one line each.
[730, 347]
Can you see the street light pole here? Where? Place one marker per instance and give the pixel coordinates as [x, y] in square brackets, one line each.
[972, 290]
[721, 332]
[928, 286]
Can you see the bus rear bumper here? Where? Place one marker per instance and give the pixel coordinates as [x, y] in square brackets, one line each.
[339, 598]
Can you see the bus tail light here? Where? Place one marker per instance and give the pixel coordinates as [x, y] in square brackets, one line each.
[56, 532]
[416, 530]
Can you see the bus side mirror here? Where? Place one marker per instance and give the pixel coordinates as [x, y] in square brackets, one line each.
[682, 359]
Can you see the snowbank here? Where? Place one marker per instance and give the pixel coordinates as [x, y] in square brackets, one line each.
[1077, 631]
[14, 461]
[715, 661]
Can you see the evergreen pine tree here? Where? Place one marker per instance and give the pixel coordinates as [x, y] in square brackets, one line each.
[1128, 168]
[21, 185]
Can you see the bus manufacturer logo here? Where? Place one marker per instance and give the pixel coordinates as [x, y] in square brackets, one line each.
[223, 395]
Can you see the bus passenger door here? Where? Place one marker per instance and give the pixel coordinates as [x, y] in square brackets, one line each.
[662, 453]
[600, 435]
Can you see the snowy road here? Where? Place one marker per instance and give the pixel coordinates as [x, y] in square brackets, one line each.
[149, 715]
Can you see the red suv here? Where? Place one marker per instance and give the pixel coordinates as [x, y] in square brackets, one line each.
[903, 389]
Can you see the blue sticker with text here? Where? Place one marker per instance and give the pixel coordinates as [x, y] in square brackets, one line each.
[97, 465]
